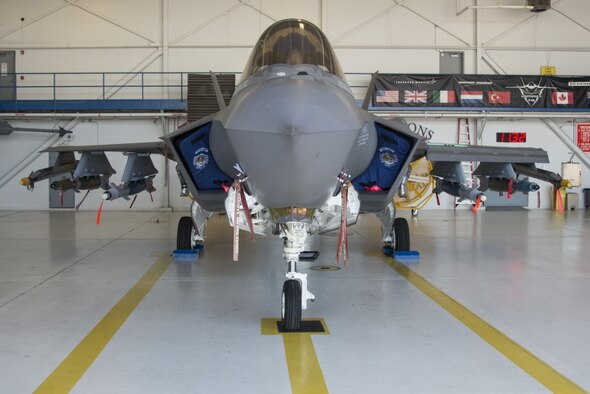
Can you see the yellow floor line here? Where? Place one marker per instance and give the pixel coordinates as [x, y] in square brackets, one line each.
[67, 374]
[304, 368]
[531, 364]
[305, 373]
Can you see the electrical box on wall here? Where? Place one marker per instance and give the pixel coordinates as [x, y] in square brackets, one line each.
[548, 70]
[572, 172]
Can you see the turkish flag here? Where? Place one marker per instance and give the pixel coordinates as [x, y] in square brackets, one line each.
[562, 98]
[498, 97]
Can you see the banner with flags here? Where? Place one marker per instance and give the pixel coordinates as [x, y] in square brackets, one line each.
[518, 92]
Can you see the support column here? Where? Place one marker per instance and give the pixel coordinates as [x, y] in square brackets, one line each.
[164, 46]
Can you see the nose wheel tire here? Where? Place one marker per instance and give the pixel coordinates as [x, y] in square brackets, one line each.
[291, 306]
[402, 234]
[184, 233]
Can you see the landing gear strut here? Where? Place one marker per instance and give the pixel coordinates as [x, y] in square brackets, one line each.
[191, 229]
[395, 231]
[295, 293]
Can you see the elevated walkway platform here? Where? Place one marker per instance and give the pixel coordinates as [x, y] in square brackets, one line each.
[111, 105]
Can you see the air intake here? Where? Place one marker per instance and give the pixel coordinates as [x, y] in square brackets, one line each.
[201, 99]
[539, 5]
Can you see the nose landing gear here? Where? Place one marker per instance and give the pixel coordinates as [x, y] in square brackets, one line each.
[295, 293]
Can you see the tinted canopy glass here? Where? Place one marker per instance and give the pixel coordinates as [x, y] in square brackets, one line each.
[293, 41]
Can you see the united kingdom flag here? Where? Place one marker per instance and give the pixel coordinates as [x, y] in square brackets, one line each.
[415, 96]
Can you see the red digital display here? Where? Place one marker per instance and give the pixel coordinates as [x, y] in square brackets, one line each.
[511, 137]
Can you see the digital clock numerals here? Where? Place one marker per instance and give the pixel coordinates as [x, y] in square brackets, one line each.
[518, 137]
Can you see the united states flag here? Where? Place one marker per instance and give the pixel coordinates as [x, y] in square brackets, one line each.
[415, 96]
[387, 96]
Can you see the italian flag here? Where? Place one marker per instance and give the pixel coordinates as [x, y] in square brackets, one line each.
[444, 96]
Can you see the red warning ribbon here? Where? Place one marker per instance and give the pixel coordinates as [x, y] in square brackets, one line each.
[343, 238]
[477, 204]
[237, 188]
[99, 212]
[240, 197]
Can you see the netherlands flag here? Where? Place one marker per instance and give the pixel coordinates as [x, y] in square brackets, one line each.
[472, 96]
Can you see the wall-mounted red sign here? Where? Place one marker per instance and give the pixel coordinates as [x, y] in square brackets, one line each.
[583, 139]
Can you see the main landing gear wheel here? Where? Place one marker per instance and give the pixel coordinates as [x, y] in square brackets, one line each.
[291, 308]
[402, 234]
[184, 233]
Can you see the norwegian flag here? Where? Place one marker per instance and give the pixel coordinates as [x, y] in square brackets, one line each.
[414, 96]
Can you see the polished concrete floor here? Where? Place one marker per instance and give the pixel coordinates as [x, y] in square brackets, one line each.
[198, 329]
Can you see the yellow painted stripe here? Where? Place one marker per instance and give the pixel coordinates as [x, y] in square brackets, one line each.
[67, 374]
[527, 361]
[305, 373]
[304, 368]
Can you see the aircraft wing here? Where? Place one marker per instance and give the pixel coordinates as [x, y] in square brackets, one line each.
[489, 154]
[499, 169]
[93, 169]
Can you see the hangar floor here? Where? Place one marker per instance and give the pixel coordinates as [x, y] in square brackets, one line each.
[72, 311]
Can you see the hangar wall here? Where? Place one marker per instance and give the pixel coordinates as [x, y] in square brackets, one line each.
[187, 35]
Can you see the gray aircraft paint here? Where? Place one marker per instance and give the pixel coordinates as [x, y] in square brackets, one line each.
[310, 126]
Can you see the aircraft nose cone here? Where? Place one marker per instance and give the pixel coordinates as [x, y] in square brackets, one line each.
[293, 105]
[292, 137]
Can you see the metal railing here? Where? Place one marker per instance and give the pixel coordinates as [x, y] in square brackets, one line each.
[112, 85]
[97, 85]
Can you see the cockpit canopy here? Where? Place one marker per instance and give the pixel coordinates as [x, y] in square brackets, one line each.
[293, 41]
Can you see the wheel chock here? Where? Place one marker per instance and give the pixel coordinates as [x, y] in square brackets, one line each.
[185, 254]
[389, 251]
[406, 254]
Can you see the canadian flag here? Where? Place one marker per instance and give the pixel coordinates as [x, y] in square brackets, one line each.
[562, 98]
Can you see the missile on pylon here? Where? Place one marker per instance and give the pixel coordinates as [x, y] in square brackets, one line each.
[129, 189]
[65, 163]
[458, 190]
[504, 185]
[77, 184]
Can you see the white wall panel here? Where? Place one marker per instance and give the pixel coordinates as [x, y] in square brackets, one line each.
[143, 17]
[389, 61]
[206, 59]
[345, 15]
[135, 25]
[73, 25]
[305, 9]
[529, 62]
[444, 15]
[11, 12]
[188, 15]
[548, 30]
